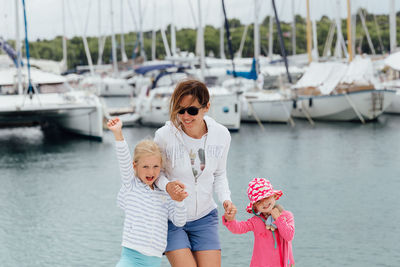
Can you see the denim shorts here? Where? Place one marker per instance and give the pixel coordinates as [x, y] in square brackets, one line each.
[130, 258]
[201, 234]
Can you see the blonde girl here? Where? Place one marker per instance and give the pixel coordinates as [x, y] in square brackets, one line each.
[147, 208]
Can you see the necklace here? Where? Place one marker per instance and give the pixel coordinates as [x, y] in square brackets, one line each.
[203, 139]
[267, 226]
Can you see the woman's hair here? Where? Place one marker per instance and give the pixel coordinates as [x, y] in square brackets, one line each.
[146, 148]
[195, 88]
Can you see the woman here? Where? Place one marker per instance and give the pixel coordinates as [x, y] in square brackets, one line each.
[195, 148]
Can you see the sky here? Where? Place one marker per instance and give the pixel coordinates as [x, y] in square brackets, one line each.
[44, 17]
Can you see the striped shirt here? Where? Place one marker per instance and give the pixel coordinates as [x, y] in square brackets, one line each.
[147, 211]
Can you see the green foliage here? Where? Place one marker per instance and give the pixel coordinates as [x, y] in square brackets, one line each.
[378, 27]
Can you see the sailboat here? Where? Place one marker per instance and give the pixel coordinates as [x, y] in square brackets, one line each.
[31, 96]
[54, 102]
[393, 82]
[340, 91]
[258, 105]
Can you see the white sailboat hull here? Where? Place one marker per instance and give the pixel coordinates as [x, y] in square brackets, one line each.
[265, 109]
[73, 112]
[369, 104]
[225, 109]
[394, 107]
[107, 86]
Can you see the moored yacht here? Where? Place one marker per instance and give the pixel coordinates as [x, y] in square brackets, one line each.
[51, 102]
[341, 92]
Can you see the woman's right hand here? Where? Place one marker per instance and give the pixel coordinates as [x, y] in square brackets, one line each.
[176, 190]
[230, 216]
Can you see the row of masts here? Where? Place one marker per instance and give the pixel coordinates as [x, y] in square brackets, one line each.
[311, 35]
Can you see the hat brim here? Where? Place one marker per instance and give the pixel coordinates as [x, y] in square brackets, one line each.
[276, 193]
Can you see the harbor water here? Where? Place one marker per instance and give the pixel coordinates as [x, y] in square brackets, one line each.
[340, 180]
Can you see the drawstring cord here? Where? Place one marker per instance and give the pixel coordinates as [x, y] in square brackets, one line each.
[265, 222]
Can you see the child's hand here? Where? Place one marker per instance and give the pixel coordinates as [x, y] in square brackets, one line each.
[115, 125]
[230, 216]
[275, 213]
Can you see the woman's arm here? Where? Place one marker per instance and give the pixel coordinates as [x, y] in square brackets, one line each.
[221, 186]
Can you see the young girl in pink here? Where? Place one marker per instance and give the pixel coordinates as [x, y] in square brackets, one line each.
[272, 226]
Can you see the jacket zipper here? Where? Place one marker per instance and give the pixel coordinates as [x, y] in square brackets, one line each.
[205, 163]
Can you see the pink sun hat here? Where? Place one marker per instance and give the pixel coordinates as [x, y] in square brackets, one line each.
[260, 188]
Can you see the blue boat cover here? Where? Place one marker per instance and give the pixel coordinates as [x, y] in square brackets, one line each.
[6, 47]
[251, 75]
[145, 69]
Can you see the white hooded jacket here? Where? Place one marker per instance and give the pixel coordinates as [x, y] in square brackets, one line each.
[177, 166]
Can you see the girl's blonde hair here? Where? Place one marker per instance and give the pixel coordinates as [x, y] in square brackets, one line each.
[195, 88]
[145, 148]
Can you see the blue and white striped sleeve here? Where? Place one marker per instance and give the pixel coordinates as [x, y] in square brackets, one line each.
[125, 163]
[177, 212]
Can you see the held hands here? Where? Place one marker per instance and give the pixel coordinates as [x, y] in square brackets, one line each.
[176, 190]
[230, 210]
[115, 125]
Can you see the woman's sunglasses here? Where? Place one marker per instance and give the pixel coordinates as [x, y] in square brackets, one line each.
[190, 110]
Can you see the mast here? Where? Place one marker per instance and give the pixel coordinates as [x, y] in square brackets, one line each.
[153, 34]
[349, 30]
[271, 34]
[165, 42]
[283, 51]
[293, 30]
[85, 42]
[228, 38]
[221, 37]
[64, 38]
[173, 35]
[124, 58]
[18, 48]
[256, 36]
[308, 33]
[353, 33]
[340, 45]
[315, 41]
[392, 19]
[113, 42]
[142, 53]
[200, 37]
[100, 38]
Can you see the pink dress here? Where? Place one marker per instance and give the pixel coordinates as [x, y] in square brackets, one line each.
[264, 252]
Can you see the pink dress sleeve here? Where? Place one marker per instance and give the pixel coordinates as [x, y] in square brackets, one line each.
[237, 227]
[285, 224]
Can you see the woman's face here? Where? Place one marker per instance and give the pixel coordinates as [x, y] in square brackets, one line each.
[191, 121]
